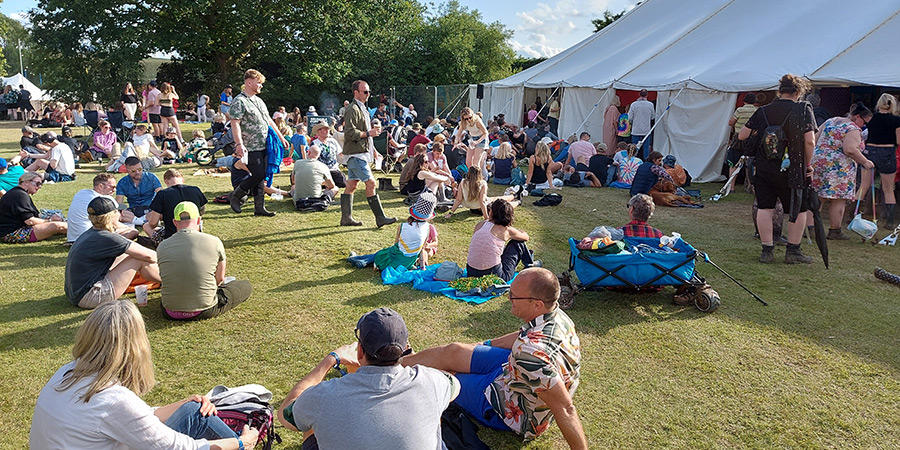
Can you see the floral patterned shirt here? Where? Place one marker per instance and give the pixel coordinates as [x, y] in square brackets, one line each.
[546, 352]
[253, 114]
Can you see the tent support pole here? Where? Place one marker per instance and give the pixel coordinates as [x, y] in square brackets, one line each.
[641, 143]
[548, 100]
[456, 101]
[592, 110]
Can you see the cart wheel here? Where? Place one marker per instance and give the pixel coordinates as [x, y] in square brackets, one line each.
[566, 291]
[706, 299]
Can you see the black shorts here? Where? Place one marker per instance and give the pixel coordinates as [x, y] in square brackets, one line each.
[773, 187]
[884, 158]
[734, 155]
[155, 118]
[166, 111]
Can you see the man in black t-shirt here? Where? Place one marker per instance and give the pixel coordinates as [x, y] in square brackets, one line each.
[769, 180]
[162, 208]
[31, 143]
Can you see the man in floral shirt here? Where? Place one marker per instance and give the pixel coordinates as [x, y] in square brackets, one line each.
[525, 379]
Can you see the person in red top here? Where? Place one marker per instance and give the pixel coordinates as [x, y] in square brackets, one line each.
[420, 138]
[640, 208]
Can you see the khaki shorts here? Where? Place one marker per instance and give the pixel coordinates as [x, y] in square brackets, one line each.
[101, 291]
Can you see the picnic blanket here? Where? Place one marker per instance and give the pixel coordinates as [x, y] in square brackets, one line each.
[423, 280]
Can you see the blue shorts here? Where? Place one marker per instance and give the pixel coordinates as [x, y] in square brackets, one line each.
[56, 177]
[486, 365]
[884, 158]
[358, 169]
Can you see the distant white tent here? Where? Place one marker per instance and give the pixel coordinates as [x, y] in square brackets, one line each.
[19, 79]
[712, 50]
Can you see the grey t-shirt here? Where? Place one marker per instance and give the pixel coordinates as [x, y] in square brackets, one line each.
[377, 407]
[89, 260]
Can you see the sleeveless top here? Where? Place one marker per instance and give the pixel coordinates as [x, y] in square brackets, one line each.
[485, 248]
[471, 203]
[539, 175]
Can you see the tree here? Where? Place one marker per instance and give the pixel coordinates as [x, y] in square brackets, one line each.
[607, 19]
[12, 34]
[85, 52]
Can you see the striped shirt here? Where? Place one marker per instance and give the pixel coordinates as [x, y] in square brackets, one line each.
[742, 115]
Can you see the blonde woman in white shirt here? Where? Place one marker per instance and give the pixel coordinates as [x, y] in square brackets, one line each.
[94, 401]
[478, 145]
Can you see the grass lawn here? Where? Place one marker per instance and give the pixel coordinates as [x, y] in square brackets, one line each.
[819, 367]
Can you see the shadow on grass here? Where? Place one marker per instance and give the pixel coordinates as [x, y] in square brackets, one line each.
[60, 332]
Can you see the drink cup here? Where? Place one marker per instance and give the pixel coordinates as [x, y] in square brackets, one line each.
[140, 293]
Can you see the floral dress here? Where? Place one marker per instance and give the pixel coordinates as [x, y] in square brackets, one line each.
[834, 173]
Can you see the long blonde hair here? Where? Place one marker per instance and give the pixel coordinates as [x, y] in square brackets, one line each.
[471, 184]
[505, 151]
[888, 103]
[541, 154]
[112, 347]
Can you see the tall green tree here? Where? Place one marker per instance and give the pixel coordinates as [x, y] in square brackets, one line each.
[12, 34]
[89, 50]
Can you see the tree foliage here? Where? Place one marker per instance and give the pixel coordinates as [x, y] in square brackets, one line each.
[607, 19]
[305, 47]
[91, 50]
[12, 33]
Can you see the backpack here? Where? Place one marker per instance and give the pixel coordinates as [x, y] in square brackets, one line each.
[773, 141]
[247, 405]
[517, 177]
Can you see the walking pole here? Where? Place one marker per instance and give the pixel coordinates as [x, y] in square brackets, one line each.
[725, 189]
[706, 258]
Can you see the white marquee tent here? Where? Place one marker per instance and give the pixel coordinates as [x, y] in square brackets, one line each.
[698, 55]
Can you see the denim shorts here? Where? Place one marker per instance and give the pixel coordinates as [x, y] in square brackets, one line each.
[884, 158]
[358, 169]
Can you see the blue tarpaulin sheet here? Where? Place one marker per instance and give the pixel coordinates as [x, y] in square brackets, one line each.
[423, 280]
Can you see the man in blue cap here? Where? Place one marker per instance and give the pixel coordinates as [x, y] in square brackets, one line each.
[402, 405]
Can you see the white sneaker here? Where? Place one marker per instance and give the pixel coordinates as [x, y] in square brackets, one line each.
[49, 182]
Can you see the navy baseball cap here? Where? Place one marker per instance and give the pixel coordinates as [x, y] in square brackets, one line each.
[383, 335]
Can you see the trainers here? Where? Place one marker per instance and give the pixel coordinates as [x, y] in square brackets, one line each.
[793, 255]
[836, 234]
[536, 263]
[767, 255]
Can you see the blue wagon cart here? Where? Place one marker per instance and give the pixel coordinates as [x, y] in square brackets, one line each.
[639, 271]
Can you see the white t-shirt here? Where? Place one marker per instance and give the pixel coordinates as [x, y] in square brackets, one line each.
[413, 237]
[142, 144]
[65, 161]
[77, 216]
[640, 113]
[113, 419]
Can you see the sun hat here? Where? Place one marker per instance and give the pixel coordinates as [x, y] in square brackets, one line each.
[319, 126]
[423, 209]
[393, 122]
[380, 329]
[312, 108]
[437, 129]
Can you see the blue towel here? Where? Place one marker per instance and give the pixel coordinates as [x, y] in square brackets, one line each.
[423, 280]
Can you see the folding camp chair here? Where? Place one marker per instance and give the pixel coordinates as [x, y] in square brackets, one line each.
[391, 162]
[81, 123]
[92, 120]
[122, 128]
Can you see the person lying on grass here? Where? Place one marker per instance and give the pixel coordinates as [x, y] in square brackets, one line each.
[524, 380]
[410, 243]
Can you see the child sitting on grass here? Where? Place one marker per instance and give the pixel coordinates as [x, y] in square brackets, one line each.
[171, 146]
[410, 245]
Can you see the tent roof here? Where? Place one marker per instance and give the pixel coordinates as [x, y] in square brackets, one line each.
[17, 79]
[728, 45]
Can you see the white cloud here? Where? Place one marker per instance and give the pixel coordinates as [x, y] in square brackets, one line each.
[549, 28]
[21, 17]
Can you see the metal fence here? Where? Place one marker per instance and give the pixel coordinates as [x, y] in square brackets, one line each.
[435, 101]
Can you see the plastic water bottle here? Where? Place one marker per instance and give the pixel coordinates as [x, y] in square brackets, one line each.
[277, 197]
[669, 241]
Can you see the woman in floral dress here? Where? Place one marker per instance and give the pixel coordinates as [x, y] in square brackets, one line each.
[838, 145]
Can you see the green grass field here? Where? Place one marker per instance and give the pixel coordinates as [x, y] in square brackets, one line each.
[819, 367]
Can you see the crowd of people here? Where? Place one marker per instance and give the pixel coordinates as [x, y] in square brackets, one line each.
[139, 230]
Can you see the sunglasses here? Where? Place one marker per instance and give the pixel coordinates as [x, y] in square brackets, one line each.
[365, 92]
[37, 183]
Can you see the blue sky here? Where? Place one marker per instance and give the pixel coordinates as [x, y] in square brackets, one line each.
[542, 28]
